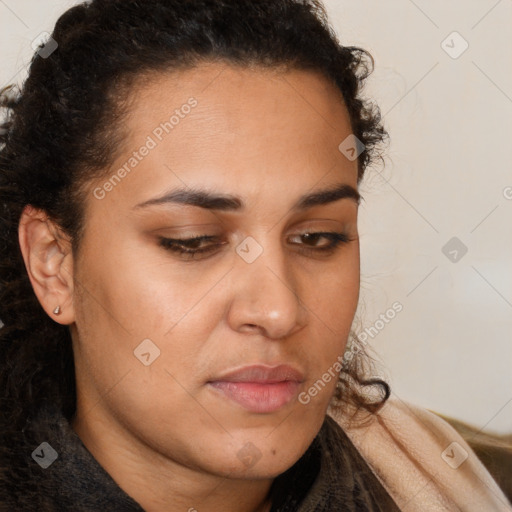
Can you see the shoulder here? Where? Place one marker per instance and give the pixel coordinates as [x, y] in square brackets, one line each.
[424, 463]
[494, 450]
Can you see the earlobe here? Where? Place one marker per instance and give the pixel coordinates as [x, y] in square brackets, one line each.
[49, 262]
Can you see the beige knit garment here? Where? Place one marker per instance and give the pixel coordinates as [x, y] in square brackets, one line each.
[410, 451]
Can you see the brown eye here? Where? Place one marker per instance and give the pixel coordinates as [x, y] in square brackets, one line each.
[334, 240]
[197, 247]
[190, 247]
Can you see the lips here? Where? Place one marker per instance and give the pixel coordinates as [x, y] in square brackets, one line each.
[263, 374]
[259, 388]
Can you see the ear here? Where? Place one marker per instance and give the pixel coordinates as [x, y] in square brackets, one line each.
[48, 259]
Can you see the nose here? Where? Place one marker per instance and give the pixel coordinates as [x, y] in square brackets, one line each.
[266, 299]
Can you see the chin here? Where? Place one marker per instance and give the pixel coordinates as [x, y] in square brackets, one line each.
[262, 457]
[267, 467]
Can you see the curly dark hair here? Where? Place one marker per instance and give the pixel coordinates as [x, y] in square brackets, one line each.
[62, 128]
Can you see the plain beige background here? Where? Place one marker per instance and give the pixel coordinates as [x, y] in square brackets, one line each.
[448, 174]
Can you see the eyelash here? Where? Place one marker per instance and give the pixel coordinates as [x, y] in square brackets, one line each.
[178, 245]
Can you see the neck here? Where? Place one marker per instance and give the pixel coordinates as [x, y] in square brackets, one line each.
[159, 484]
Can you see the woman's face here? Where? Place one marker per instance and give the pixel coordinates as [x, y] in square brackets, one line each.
[244, 158]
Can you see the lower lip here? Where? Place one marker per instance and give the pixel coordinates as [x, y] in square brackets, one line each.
[259, 397]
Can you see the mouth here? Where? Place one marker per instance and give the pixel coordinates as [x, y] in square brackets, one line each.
[260, 389]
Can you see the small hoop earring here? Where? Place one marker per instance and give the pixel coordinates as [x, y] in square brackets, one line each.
[57, 310]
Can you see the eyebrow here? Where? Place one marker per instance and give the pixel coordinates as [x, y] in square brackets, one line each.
[221, 202]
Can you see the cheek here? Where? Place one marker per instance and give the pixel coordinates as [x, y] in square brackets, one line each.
[139, 343]
[131, 307]
[332, 293]
[332, 303]
[133, 291]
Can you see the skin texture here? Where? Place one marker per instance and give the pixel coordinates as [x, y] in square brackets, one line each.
[162, 432]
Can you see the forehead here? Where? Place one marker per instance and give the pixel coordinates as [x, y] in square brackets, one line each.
[222, 126]
[239, 100]
[214, 79]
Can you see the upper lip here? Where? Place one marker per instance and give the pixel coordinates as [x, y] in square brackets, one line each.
[262, 374]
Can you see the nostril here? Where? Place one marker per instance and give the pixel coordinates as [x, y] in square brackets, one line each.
[251, 328]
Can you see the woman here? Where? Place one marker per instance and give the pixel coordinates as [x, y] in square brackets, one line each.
[180, 273]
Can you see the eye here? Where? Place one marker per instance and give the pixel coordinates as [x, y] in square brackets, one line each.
[334, 240]
[200, 246]
[189, 248]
